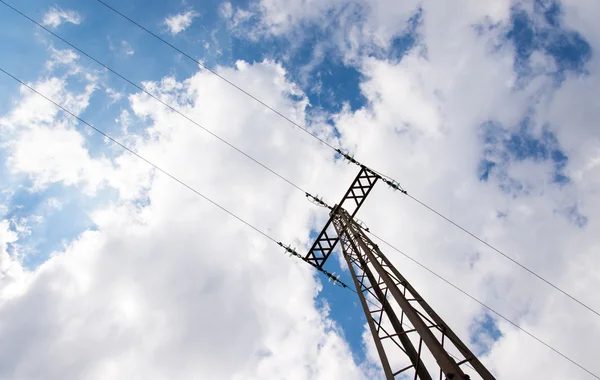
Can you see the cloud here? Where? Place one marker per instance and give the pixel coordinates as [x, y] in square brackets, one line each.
[54, 203]
[164, 278]
[113, 94]
[177, 298]
[65, 57]
[427, 120]
[123, 47]
[56, 16]
[127, 48]
[35, 125]
[13, 278]
[179, 22]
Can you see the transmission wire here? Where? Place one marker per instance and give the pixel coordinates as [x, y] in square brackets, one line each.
[338, 150]
[255, 160]
[64, 109]
[411, 327]
[503, 254]
[481, 303]
[155, 97]
[217, 74]
[156, 167]
[136, 154]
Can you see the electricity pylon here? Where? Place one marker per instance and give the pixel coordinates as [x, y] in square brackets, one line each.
[409, 337]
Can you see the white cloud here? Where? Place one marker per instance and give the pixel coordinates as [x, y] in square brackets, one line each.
[56, 16]
[127, 48]
[113, 94]
[56, 160]
[226, 10]
[66, 57]
[124, 47]
[422, 124]
[172, 294]
[13, 278]
[179, 22]
[54, 203]
[170, 279]
[60, 152]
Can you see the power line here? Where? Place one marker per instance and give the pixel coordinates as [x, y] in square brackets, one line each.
[503, 254]
[263, 165]
[252, 158]
[409, 327]
[273, 172]
[329, 275]
[217, 74]
[155, 98]
[339, 151]
[247, 155]
[482, 304]
[287, 248]
[291, 251]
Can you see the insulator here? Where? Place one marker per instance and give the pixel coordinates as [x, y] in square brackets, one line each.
[361, 224]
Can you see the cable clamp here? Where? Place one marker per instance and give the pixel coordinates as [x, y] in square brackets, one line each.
[291, 251]
[347, 156]
[331, 276]
[318, 201]
[361, 224]
[394, 185]
[334, 278]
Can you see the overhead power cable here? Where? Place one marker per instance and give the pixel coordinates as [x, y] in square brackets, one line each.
[364, 227]
[514, 324]
[217, 74]
[410, 327]
[156, 98]
[163, 171]
[390, 181]
[267, 236]
[504, 254]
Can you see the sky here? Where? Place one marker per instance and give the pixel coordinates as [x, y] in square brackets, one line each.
[109, 269]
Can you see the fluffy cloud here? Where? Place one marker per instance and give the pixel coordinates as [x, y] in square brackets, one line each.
[150, 292]
[12, 275]
[56, 16]
[167, 286]
[465, 94]
[65, 57]
[179, 22]
[35, 125]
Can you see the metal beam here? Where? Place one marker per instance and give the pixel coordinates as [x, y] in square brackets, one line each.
[353, 199]
[390, 302]
[349, 247]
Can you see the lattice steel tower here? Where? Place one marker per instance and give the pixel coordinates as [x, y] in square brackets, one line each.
[411, 339]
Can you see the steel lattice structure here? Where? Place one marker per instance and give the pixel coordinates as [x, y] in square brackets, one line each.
[411, 340]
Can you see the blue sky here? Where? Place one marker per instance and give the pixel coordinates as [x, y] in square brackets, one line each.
[106, 36]
[332, 81]
[102, 34]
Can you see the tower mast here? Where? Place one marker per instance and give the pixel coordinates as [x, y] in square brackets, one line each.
[410, 338]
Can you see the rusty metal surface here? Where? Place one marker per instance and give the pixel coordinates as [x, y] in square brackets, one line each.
[352, 201]
[410, 338]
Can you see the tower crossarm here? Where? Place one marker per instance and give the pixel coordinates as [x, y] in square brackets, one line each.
[351, 201]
